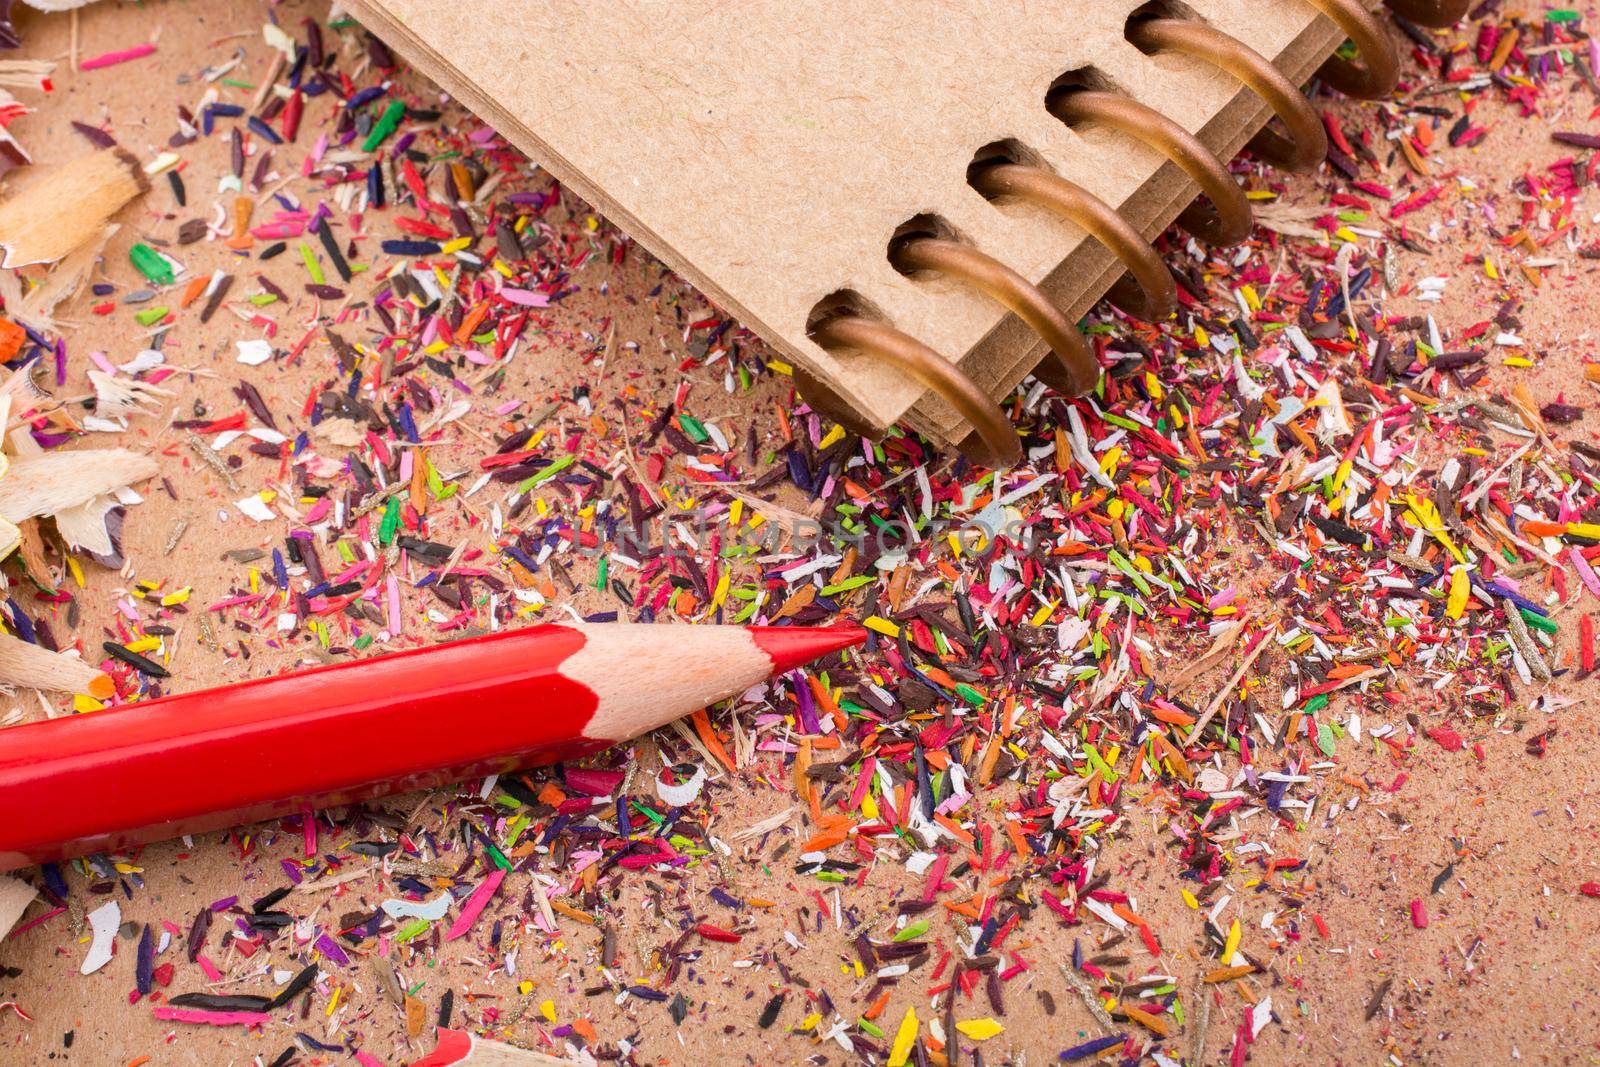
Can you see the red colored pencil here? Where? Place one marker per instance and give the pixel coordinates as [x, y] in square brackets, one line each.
[263, 749]
[458, 1048]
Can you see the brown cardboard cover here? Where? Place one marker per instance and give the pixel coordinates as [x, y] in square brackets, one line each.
[768, 151]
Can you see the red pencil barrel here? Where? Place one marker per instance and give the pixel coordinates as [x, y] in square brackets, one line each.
[271, 747]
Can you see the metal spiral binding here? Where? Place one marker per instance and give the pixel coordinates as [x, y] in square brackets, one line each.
[1381, 67]
[997, 441]
[1307, 143]
[1228, 219]
[1147, 291]
[1077, 370]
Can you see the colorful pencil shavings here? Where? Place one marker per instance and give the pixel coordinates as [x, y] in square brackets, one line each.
[1190, 738]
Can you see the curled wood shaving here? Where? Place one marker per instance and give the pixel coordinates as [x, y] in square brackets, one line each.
[36, 667]
[55, 481]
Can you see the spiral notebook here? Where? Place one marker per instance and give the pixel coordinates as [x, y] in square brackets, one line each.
[773, 152]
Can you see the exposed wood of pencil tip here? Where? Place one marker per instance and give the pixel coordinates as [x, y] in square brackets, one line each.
[51, 211]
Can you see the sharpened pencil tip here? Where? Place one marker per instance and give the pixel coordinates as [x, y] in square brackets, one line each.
[792, 646]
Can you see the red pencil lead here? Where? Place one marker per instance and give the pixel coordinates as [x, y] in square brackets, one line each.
[792, 646]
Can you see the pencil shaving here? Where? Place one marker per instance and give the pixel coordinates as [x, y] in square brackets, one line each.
[33, 667]
[51, 212]
[56, 481]
[116, 396]
[38, 306]
[17, 74]
[84, 525]
[15, 896]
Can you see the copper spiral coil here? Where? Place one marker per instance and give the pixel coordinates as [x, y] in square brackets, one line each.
[918, 252]
[1382, 63]
[1149, 291]
[1307, 143]
[997, 444]
[1148, 294]
[1228, 220]
[1435, 14]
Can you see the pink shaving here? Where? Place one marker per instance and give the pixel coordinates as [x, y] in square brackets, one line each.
[111, 59]
[475, 905]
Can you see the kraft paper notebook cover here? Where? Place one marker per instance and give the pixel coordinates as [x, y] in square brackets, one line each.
[769, 151]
